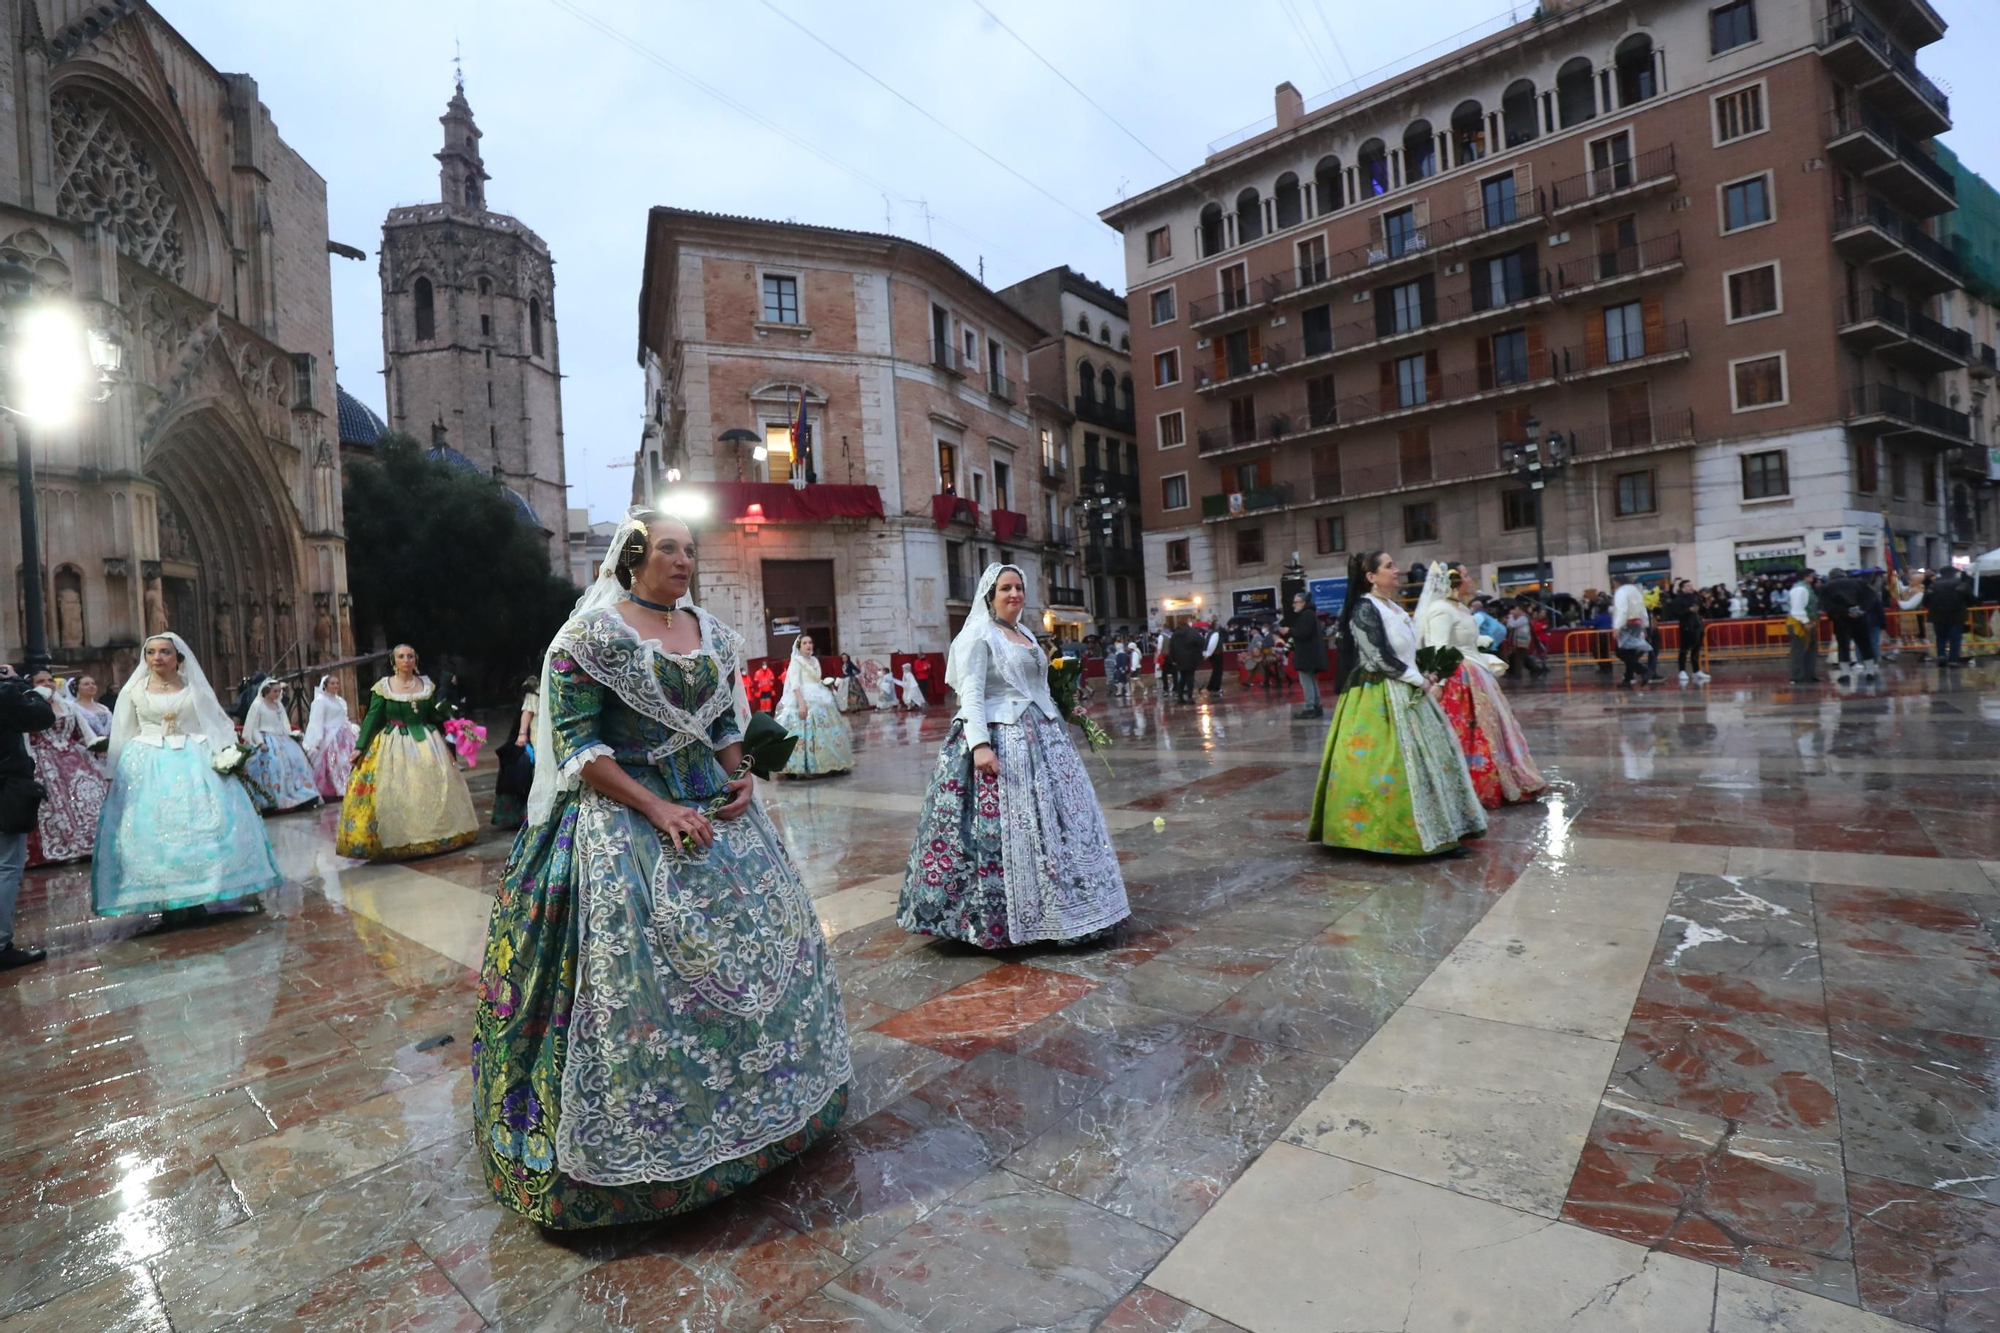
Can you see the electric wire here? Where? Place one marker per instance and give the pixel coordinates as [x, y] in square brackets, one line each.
[1072, 84]
[1334, 38]
[872, 78]
[1305, 39]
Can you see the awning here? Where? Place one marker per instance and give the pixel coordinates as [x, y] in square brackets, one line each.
[1064, 616]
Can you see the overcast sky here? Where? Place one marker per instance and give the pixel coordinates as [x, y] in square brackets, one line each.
[583, 132]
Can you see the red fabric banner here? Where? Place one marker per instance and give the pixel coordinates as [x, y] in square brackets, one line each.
[945, 508]
[784, 503]
[1007, 525]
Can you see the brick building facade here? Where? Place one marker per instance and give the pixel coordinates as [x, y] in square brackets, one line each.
[926, 455]
[1691, 239]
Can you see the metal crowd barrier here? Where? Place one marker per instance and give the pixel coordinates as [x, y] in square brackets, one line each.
[1765, 638]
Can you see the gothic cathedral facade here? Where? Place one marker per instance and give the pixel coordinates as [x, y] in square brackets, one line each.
[153, 194]
[469, 335]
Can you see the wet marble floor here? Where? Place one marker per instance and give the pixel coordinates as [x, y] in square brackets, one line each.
[1707, 1040]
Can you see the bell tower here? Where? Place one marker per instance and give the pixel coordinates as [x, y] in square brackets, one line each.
[469, 337]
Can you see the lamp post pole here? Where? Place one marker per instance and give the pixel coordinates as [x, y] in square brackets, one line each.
[1535, 461]
[35, 632]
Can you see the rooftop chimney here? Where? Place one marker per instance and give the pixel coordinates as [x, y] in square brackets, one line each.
[1291, 106]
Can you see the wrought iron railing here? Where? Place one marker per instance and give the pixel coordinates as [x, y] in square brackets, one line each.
[1656, 164]
[1605, 265]
[1870, 400]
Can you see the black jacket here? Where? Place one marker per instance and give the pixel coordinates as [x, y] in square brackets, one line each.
[21, 711]
[1839, 596]
[1307, 641]
[1947, 601]
[1184, 647]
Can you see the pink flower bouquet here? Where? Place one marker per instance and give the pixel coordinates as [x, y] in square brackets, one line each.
[466, 736]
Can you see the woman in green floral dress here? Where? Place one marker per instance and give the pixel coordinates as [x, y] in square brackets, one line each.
[658, 1020]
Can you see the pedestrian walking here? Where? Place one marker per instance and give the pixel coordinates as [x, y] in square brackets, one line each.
[1802, 622]
[1308, 648]
[1683, 607]
[23, 711]
[1628, 621]
[1948, 600]
[1848, 601]
[1212, 650]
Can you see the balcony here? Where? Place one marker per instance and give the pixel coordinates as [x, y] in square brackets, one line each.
[1627, 264]
[1878, 322]
[1502, 217]
[950, 509]
[958, 587]
[1070, 597]
[1985, 365]
[1009, 525]
[948, 359]
[1438, 392]
[999, 386]
[1233, 503]
[1862, 138]
[1667, 427]
[1108, 415]
[1618, 183]
[1888, 410]
[1062, 537]
[1657, 346]
[1861, 53]
[1875, 231]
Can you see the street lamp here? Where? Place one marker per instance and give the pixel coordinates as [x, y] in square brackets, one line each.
[50, 359]
[1537, 460]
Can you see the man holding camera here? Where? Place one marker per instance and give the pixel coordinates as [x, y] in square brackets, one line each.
[22, 710]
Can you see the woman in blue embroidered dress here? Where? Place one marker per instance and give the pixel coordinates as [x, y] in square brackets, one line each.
[1011, 847]
[175, 836]
[658, 1021]
[807, 709]
[281, 777]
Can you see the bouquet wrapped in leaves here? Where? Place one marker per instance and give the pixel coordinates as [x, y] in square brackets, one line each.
[767, 748]
[1065, 683]
[1441, 662]
[229, 761]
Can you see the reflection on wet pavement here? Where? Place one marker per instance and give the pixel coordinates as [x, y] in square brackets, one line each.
[1710, 1037]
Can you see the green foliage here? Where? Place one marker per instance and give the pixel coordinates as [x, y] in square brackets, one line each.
[440, 558]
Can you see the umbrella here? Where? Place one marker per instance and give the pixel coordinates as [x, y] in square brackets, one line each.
[738, 435]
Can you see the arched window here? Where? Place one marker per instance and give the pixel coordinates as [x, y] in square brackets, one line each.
[426, 311]
[1124, 342]
[1104, 333]
[1637, 80]
[1210, 230]
[1125, 393]
[1372, 164]
[1109, 383]
[1468, 133]
[535, 325]
[1420, 157]
[1249, 216]
[1083, 325]
[1285, 195]
[485, 286]
[1086, 381]
[1576, 93]
[1517, 113]
[1326, 185]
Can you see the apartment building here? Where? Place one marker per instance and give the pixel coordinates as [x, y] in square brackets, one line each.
[1972, 482]
[1086, 364]
[920, 462]
[1693, 242]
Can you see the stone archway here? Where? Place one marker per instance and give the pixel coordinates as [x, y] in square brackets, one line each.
[229, 558]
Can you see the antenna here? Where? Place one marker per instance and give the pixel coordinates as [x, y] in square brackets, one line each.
[888, 215]
[982, 270]
[458, 63]
[925, 205]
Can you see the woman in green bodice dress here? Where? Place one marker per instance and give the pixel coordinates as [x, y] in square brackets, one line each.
[405, 796]
[658, 1020]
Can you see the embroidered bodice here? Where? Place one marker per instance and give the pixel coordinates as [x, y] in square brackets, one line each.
[1385, 641]
[1003, 679]
[169, 720]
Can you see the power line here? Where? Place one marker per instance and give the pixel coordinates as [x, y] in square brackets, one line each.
[1331, 36]
[1305, 39]
[1072, 83]
[1033, 185]
[644, 52]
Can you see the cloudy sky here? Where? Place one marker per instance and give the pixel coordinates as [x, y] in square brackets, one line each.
[587, 124]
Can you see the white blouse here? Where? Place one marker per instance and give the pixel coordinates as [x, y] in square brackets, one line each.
[161, 717]
[1003, 680]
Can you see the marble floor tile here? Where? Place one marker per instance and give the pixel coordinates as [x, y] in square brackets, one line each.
[972, 1017]
[1889, 926]
[1746, 1305]
[1926, 1258]
[350, 1142]
[1921, 1107]
[1002, 1099]
[1425, 922]
[1635, 897]
[1889, 872]
[1556, 974]
[1003, 1254]
[910, 975]
[1617, 854]
[399, 1288]
[886, 1069]
[1148, 1310]
[503, 1264]
[124, 1302]
[1775, 1074]
[1326, 998]
[445, 918]
[864, 904]
[1766, 1202]
[1484, 1108]
[1102, 1035]
[1163, 1141]
[1304, 1243]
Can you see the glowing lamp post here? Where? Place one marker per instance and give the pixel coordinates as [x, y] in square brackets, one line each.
[52, 366]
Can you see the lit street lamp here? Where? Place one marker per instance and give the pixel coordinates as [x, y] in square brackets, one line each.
[1536, 460]
[50, 359]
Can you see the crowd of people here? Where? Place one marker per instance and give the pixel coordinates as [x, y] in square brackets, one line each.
[164, 791]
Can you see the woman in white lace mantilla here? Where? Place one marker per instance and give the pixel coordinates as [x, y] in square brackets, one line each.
[1011, 847]
[658, 1020]
[175, 836]
[810, 712]
[281, 777]
[1496, 753]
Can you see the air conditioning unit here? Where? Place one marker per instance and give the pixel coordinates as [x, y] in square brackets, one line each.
[1200, 344]
[1454, 270]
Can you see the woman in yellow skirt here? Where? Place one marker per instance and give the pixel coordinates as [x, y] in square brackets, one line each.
[405, 797]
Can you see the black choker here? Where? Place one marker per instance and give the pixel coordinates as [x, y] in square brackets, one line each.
[650, 606]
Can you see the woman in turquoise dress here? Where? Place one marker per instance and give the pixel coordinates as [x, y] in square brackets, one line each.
[281, 777]
[810, 712]
[658, 1021]
[175, 835]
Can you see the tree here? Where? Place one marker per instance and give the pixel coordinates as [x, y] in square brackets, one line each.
[439, 557]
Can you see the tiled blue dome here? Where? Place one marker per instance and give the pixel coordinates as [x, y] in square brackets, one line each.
[521, 503]
[359, 426]
[444, 453]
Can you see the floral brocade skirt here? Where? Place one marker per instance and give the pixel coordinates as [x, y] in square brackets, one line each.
[333, 763]
[1392, 778]
[404, 799]
[824, 743]
[66, 825]
[1014, 859]
[656, 1028]
[280, 776]
[1496, 753]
